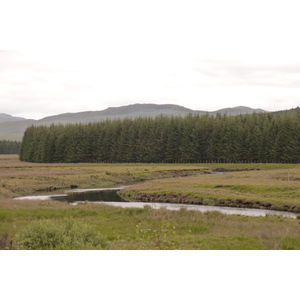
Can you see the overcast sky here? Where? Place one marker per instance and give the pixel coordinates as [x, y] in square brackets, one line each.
[72, 56]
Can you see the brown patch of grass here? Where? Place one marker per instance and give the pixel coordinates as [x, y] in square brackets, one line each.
[19, 178]
[264, 188]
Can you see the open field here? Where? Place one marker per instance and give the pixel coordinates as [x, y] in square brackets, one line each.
[22, 178]
[157, 229]
[277, 189]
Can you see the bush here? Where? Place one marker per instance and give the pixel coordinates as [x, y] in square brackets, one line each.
[60, 235]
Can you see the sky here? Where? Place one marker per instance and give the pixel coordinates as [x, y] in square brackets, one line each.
[71, 56]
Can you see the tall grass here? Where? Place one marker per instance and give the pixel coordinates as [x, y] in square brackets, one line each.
[155, 229]
[273, 189]
[66, 234]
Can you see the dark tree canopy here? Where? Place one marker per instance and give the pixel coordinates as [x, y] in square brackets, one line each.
[9, 147]
[244, 138]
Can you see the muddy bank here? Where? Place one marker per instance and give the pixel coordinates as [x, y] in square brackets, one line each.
[239, 203]
[221, 170]
[54, 188]
[128, 180]
[180, 173]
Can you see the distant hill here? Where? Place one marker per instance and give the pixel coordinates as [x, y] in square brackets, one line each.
[292, 111]
[129, 111]
[13, 129]
[9, 118]
[140, 110]
[239, 110]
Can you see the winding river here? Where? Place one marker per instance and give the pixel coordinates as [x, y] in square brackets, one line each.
[109, 196]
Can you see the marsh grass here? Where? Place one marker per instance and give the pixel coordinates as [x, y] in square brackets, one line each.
[157, 229]
[66, 234]
[21, 178]
[273, 188]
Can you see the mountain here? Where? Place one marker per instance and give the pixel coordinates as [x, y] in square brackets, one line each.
[239, 110]
[9, 118]
[14, 130]
[129, 111]
[139, 110]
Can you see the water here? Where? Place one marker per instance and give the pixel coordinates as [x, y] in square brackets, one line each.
[204, 208]
[91, 196]
[81, 195]
[109, 196]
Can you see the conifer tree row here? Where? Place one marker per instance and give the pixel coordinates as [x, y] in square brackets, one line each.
[9, 147]
[244, 138]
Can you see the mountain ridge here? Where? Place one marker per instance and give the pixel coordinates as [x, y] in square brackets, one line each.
[14, 128]
[145, 110]
[9, 118]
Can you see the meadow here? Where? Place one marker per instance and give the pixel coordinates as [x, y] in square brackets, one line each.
[21, 178]
[276, 189]
[157, 229]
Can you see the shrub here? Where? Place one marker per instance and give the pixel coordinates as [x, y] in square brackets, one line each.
[60, 235]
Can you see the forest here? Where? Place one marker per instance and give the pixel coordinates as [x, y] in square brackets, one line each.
[9, 147]
[257, 138]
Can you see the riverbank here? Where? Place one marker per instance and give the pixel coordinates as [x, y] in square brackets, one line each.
[137, 228]
[265, 186]
[276, 189]
[21, 178]
[146, 228]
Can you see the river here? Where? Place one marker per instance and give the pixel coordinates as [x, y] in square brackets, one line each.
[109, 196]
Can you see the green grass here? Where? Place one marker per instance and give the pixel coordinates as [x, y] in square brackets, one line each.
[277, 189]
[7, 215]
[21, 178]
[66, 234]
[157, 229]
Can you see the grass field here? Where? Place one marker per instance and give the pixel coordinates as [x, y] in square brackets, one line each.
[277, 189]
[22, 178]
[157, 229]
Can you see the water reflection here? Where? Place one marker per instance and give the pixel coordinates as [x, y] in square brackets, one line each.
[81, 195]
[109, 196]
[91, 196]
[204, 208]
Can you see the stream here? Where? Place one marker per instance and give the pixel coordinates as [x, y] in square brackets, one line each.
[109, 196]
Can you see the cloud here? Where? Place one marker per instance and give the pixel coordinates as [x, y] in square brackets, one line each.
[42, 83]
[238, 73]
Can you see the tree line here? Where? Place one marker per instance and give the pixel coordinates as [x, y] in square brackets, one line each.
[9, 147]
[257, 138]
